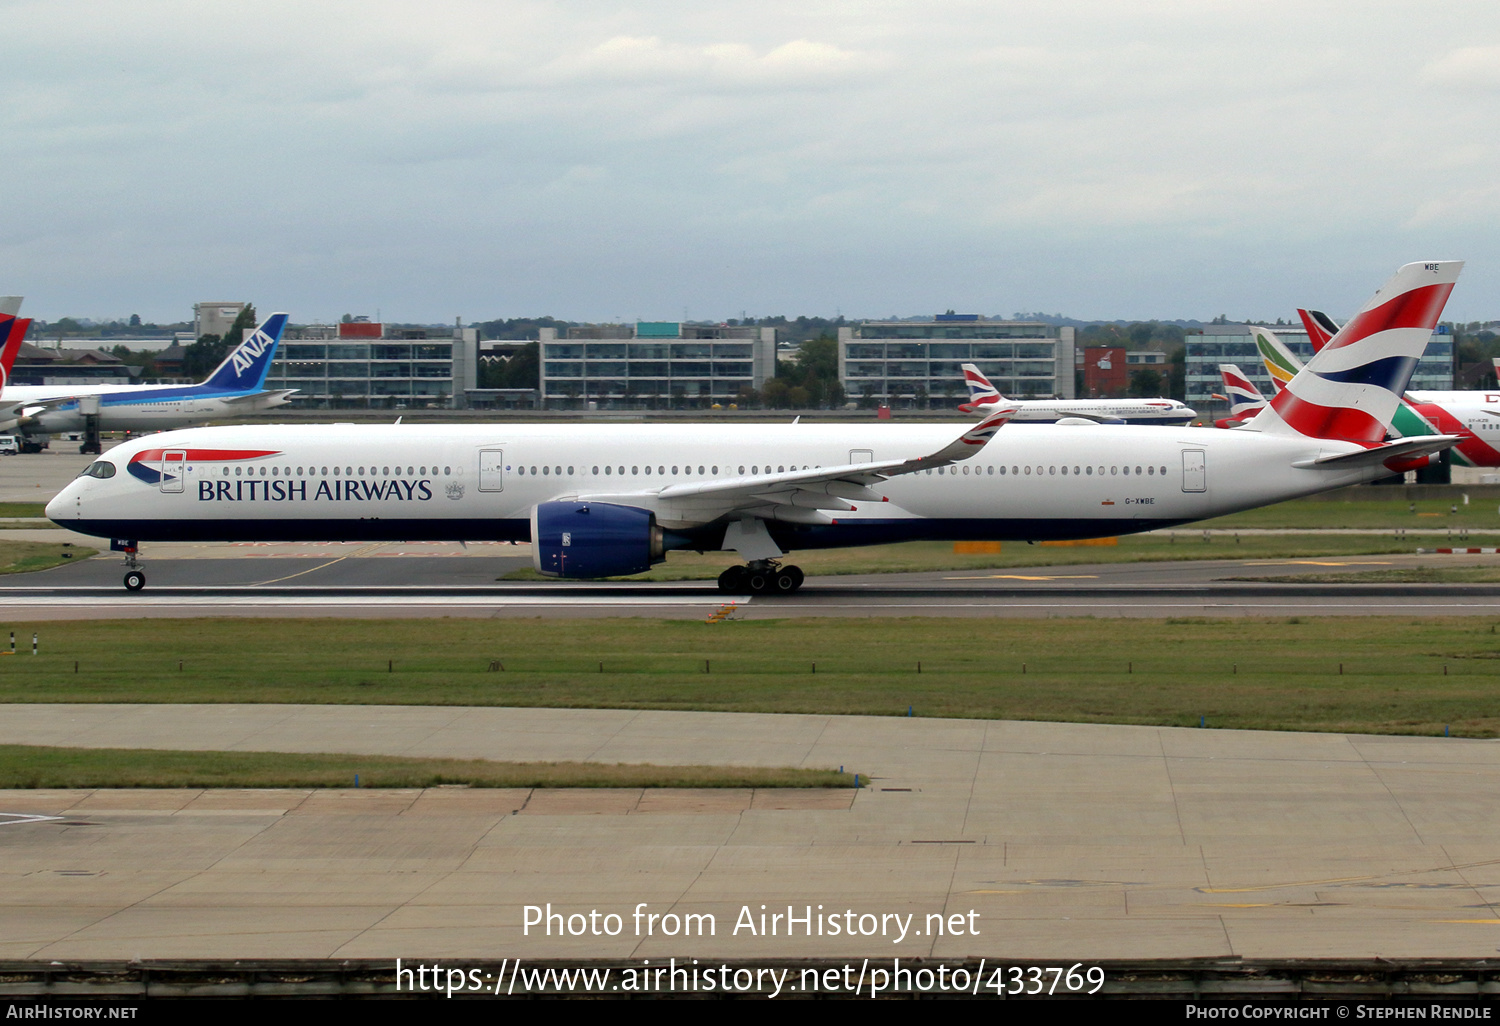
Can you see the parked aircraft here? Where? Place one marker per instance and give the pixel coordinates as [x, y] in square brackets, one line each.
[12, 334]
[1244, 399]
[984, 396]
[603, 501]
[234, 389]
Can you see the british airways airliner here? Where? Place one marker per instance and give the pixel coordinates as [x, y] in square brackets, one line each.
[603, 501]
[235, 388]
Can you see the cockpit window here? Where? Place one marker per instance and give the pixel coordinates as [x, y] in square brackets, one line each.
[100, 469]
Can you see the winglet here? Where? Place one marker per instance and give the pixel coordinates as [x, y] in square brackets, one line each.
[970, 442]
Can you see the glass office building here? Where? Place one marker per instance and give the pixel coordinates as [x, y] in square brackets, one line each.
[654, 364]
[405, 370]
[1233, 343]
[917, 363]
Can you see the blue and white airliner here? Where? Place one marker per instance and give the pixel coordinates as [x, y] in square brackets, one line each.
[235, 388]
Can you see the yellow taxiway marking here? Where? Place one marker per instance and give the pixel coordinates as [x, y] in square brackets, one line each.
[1490, 922]
[1025, 577]
[299, 573]
[1320, 562]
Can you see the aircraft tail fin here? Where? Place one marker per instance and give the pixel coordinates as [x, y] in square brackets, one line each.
[10, 306]
[1243, 396]
[982, 395]
[1351, 389]
[1281, 363]
[1320, 327]
[12, 334]
[244, 369]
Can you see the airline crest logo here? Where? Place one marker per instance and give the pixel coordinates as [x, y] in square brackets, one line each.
[252, 349]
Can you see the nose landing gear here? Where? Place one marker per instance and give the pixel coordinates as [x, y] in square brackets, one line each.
[135, 577]
[761, 577]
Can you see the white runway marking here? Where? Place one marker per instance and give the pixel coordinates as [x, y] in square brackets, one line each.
[12, 818]
[37, 601]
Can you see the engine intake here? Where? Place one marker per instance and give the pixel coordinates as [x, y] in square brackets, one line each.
[594, 539]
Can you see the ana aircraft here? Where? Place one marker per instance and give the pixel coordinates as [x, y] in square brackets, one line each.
[984, 396]
[603, 501]
[234, 389]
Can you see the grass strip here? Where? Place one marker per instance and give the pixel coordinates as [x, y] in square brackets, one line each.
[36, 766]
[12, 510]
[1376, 674]
[19, 557]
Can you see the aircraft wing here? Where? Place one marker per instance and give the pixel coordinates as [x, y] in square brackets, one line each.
[801, 495]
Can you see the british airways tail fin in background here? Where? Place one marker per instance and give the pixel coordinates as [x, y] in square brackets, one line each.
[244, 370]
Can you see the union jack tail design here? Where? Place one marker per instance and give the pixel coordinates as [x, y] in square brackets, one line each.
[12, 334]
[982, 394]
[1245, 399]
[1320, 328]
[1351, 389]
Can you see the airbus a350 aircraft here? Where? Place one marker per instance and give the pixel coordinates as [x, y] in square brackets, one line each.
[984, 396]
[603, 501]
[234, 389]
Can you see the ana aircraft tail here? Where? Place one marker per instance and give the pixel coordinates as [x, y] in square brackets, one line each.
[1352, 388]
[982, 394]
[244, 370]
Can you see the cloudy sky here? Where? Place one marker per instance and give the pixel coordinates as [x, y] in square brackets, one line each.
[596, 160]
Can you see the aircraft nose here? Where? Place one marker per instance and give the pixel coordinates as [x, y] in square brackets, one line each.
[65, 503]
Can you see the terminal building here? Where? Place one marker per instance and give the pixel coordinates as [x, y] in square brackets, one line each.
[654, 364]
[1233, 343]
[914, 364]
[361, 365]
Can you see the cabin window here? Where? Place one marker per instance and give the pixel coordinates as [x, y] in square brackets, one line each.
[570, 471]
[608, 469]
[674, 470]
[1065, 471]
[446, 471]
[688, 471]
[1028, 471]
[1137, 470]
[1151, 470]
[596, 471]
[742, 470]
[781, 470]
[714, 469]
[1089, 470]
[648, 471]
[634, 471]
[700, 470]
[544, 470]
[1002, 471]
[262, 471]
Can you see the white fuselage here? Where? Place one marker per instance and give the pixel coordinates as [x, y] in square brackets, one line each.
[1134, 411]
[52, 409]
[410, 482]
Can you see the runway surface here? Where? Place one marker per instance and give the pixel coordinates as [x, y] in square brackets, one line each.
[442, 579]
[1065, 841]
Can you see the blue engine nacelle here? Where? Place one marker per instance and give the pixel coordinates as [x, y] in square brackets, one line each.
[594, 539]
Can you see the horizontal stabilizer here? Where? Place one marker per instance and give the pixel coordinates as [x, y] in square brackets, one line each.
[1405, 449]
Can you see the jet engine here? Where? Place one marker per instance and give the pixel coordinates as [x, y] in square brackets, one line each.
[594, 539]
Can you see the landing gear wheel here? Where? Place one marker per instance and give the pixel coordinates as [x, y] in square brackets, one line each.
[134, 580]
[758, 582]
[732, 581]
[788, 579]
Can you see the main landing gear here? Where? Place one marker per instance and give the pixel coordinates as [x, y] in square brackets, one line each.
[761, 577]
[135, 577]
